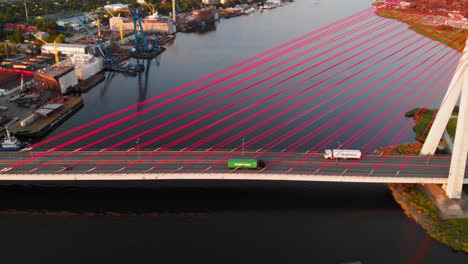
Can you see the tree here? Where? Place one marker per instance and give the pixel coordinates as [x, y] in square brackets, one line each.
[16, 37]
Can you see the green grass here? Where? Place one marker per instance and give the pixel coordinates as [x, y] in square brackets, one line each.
[451, 127]
[423, 118]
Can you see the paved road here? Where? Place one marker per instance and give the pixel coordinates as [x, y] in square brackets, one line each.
[127, 162]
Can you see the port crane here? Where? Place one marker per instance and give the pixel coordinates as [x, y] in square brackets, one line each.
[98, 25]
[56, 53]
[110, 62]
[142, 48]
[120, 27]
[151, 8]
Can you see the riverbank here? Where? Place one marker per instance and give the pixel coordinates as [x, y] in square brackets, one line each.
[429, 206]
[413, 200]
[422, 23]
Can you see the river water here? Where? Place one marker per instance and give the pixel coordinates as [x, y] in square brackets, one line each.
[212, 222]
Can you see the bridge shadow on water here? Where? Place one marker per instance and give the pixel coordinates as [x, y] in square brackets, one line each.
[187, 197]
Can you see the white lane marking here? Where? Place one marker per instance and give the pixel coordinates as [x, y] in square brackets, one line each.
[372, 171]
[130, 149]
[91, 169]
[397, 173]
[149, 169]
[5, 169]
[183, 149]
[290, 169]
[62, 169]
[78, 149]
[206, 169]
[283, 150]
[260, 171]
[26, 149]
[316, 171]
[344, 171]
[258, 150]
[307, 152]
[102, 150]
[209, 149]
[119, 170]
[33, 169]
[179, 169]
[233, 149]
[157, 149]
[52, 149]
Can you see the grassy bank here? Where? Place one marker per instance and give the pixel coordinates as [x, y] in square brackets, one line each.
[450, 36]
[424, 117]
[451, 232]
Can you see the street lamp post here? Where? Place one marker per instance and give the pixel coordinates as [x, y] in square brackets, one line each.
[242, 147]
[138, 147]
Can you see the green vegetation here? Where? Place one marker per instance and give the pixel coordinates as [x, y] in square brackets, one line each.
[451, 232]
[424, 117]
[450, 36]
[406, 148]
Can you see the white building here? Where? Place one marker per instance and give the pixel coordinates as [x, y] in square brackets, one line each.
[66, 49]
[116, 7]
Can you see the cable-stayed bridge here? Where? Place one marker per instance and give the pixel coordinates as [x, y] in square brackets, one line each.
[348, 84]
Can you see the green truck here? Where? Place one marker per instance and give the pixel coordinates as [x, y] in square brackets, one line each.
[246, 164]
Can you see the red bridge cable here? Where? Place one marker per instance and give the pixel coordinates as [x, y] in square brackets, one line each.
[330, 138]
[205, 117]
[399, 68]
[426, 130]
[390, 125]
[409, 124]
[174, 99]
[263, 122]
[349, 20]
[418, 74]
[105, 127]
[400, 115]
[236, 125]
[388, 109]
[220, 132]
[323, 114]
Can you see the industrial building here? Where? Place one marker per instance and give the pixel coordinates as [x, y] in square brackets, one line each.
[150, 24]
[65, 49]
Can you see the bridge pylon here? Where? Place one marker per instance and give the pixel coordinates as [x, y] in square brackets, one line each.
[458, 89]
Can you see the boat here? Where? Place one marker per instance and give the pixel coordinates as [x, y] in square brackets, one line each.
[248, 11]
[47, 117]
[11, 143]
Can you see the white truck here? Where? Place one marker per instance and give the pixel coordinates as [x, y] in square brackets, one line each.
[342, 154]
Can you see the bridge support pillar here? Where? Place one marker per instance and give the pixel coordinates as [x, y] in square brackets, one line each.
[458, 89]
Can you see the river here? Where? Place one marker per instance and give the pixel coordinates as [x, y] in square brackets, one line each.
[212, 222]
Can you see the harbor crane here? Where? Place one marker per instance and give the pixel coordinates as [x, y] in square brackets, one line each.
[122, 41]
[111, 63]
[151, 8]
[98, 25]
[56, 53]
[142, 48]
